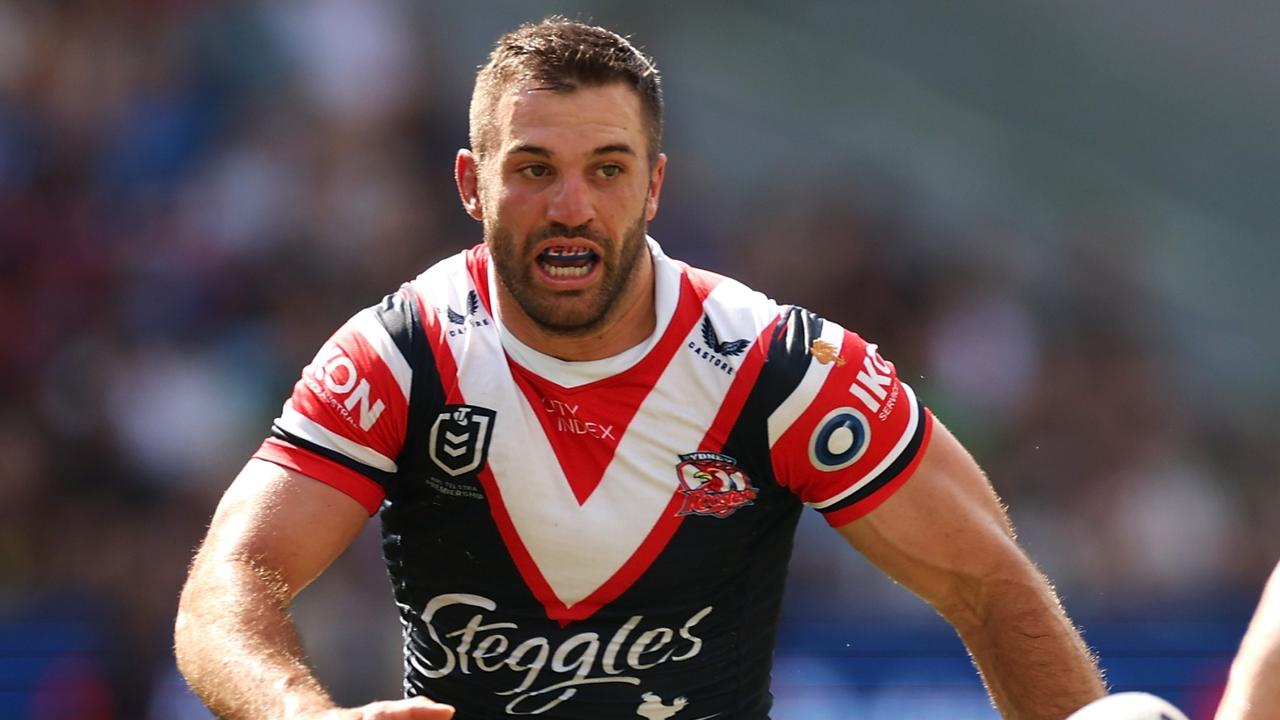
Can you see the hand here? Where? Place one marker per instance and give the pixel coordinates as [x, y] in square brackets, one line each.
[418, 708]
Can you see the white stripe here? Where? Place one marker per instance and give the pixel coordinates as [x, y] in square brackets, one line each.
[790, 409]
[298, 424]
[737, 311]
[367, 324]
[888, 460]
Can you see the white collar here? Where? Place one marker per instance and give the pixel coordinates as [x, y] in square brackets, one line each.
[666, 276]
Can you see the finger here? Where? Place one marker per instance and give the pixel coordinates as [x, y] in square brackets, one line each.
[418, 708]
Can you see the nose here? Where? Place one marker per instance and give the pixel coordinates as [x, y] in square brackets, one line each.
[571, 203]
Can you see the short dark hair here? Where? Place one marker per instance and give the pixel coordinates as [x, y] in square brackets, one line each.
[563, 55]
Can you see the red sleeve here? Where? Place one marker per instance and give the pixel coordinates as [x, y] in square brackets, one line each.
[851, 433]
[330, 472]
[345, 422]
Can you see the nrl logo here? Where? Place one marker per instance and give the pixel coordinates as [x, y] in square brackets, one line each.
[459, 440]
[825, 353]
[713, 484]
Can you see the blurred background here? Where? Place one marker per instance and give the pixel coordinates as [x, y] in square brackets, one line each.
[1055, 218]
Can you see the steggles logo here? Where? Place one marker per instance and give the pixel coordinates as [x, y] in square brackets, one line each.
[544, 672]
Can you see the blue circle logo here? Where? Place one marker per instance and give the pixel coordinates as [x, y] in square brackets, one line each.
[839, 440]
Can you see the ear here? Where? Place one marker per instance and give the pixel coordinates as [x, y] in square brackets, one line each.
[656, 176]
[466, 172]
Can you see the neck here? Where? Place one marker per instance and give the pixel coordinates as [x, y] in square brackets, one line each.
[631, 319]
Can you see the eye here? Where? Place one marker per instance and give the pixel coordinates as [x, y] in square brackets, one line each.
[535, 171]
[611, 170]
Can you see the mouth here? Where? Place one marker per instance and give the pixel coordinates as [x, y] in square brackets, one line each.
[568, 262]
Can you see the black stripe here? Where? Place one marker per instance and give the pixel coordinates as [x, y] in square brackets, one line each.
[783, 369]
[395, 314]
[381, 477]
[786, 365]
[894, 470]
[427, 394]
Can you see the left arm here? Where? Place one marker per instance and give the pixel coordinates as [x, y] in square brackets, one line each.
[945, 536]
[1253, 688]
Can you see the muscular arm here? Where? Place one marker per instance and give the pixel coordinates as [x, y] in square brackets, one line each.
[1253, 689]
[945, 536]
[273, 533]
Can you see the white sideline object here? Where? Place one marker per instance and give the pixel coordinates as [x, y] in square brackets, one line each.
[1128, 706]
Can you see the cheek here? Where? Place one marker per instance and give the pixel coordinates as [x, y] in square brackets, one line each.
[514, 205]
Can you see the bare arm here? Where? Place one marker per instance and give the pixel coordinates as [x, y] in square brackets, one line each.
[1253, 689]
[273, 533]
[945, 536]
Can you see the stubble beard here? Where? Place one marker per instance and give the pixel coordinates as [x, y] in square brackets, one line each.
[570, 313]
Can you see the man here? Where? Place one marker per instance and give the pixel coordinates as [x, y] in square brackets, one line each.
[1253, 688]
[590, 458]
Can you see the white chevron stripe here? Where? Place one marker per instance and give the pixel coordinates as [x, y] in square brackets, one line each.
[294, 422]
[800, 398]
[577, 548]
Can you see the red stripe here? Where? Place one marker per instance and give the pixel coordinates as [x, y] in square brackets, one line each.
[360, 488]
[844, 516]
[702, 281]
[477, 260]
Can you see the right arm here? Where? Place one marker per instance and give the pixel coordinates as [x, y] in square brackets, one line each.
[274, 531]
[1253, 689]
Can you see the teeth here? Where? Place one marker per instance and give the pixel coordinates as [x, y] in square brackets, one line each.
[566, 272]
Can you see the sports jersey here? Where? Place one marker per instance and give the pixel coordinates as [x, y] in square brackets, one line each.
[599, 539]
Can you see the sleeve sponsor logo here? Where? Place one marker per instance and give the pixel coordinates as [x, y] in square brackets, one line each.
[713, 484]
[569, 421]
[332, 375]
[839, 440]
[874, 385]
[545, 673]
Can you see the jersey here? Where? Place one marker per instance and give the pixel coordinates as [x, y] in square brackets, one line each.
[600, 539]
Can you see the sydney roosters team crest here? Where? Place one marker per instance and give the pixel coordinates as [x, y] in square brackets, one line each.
[713, 484]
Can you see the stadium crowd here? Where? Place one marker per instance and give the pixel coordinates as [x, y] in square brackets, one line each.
[193, 195]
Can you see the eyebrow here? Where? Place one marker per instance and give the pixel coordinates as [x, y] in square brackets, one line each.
[602, 150]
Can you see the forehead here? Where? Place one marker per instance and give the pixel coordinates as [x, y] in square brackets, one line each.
[573, 121]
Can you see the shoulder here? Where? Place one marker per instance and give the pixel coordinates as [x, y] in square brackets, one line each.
[728, 303]
[452, 289]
